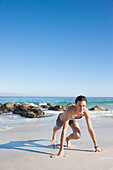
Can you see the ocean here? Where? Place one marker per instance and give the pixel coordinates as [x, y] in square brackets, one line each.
[9, 121]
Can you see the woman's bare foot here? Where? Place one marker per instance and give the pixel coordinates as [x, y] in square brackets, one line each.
[61, 153]
[68, 143]
[54, 141]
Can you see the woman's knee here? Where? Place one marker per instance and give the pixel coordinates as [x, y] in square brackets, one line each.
[77, 135]
[76, 130]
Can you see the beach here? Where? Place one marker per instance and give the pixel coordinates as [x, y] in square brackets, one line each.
[26, 143]
[56, 57]
[31, 148]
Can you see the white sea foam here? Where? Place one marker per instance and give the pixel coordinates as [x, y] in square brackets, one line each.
[52, 112]
[32, 104]
[101, 113]
[9, 121]
[44, 104]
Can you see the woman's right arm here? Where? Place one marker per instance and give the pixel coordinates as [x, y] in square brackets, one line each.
[64, 132]
[62, 138]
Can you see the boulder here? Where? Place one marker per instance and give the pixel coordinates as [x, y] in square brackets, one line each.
[1, 108]
[57, 108]
[98, 108]
[45, 105]
[6, 108]
[16, 104]
[29, 111]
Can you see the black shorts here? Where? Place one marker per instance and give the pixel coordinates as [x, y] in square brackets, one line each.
[60, 123]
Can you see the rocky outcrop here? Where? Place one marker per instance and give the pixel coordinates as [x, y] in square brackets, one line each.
[60, 107]
[7, 107]
[45, 105]
[98, 108]
[29, 111]
[25, 110]
[57, 108]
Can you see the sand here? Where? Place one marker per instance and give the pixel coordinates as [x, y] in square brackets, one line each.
[30, 148]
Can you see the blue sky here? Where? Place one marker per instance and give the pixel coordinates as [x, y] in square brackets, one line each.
[56, 47]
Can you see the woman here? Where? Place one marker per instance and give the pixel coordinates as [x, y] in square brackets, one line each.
[69, 116]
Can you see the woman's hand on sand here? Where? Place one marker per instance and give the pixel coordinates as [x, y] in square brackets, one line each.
[98, 150]
[61, 153]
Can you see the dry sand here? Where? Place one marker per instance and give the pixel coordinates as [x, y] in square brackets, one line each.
[30, 148]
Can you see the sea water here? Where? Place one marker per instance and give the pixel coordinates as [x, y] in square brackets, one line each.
[9, 120]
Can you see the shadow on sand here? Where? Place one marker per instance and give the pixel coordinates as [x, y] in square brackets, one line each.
[22, 145]
[83, 150]
[26, 145]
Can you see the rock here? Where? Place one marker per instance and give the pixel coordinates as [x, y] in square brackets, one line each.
[6, 108]
[60, 107]
[1, 108]
[45, 105]
[25, 110]
[29, 111]
[57, 108]
[98, 108]
[16, 104]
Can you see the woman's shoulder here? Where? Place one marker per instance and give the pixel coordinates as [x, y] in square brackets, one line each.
[86, 112]
[69, 109]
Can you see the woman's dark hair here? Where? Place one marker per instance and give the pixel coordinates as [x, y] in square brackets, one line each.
[80, 98]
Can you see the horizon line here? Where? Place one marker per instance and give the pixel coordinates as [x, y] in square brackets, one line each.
[46, 96]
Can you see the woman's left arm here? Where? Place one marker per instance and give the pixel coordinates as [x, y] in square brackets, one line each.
[91, 131]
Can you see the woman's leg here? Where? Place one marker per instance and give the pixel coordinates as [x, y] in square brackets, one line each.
[55, 129]
[59, 123]
[75, 134]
